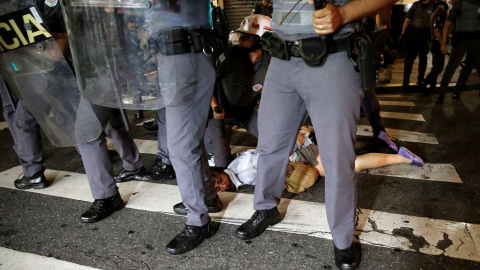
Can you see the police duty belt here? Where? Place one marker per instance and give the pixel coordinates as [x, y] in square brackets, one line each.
[311, 50]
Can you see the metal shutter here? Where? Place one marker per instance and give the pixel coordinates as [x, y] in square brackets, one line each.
[237, 10]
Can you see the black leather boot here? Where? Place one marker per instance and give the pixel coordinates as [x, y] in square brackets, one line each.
[440, 99]
[102, 208]
[125, 176]
[347, 259]
[160, 170]
[150, 125]
[214, 206]
[258, 223]
[37, 181]
[191, 237]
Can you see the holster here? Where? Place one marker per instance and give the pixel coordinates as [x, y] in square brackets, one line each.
[275, 46]
[369, 61]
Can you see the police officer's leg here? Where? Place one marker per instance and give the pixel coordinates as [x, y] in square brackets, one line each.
[9, 110]
[96, 159]
[98, 168]
[456, 55]
[125, 146]
[29, 148]
[409, 59]
[162, 167]
[162, 153]
[23, 138]
[464, 74]
[438, 62]
[252, 123]
[281, 114]
[334, 111]
[187, 117]
[220, 142]
[422, 57]
[473, 46]
[371, 108]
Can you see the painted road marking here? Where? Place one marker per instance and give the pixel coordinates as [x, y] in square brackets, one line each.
[400, 135]
[429, 172]
[144, 146]
[390, 96]
[12, 259]
[403, 116]
[420, 234]
[396, 103]
[141, 124]
[3, 125]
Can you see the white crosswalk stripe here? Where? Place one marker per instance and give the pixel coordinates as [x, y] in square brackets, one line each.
[12, 259]
[400, 135]
[403, 116]
[429, 172]
[375, 227]
[396, 103]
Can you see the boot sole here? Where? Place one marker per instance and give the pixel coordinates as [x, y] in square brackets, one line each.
[34, 186]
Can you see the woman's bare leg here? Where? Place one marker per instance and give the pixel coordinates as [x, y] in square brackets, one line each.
[378, 160]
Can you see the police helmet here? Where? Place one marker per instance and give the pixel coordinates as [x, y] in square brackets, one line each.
[255, 24]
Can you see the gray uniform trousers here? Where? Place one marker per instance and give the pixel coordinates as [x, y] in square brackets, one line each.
[186, 120]
[96, 159]
[331, 95]
[25, 130]
[459, 50]
[220, 146]
[162, 137]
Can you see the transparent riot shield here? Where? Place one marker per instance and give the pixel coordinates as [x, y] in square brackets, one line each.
[114, 45]
[33, 66]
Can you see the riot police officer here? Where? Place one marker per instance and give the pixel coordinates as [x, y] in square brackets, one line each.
[416, 35]
[331, 95]
[27, 143]
[465, 15]
[187, 115]
[23, 126]
[437, 21]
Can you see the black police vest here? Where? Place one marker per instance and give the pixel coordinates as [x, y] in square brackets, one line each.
[423, 12]
[468, 19]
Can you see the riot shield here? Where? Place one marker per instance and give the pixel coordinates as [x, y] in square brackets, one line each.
[33, 66]
[115, 45]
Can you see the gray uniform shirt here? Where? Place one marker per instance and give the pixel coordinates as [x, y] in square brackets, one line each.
[298, 24]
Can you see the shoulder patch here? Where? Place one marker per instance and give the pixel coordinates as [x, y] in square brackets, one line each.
[51, 3]
[257, 87]
[221, 58]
